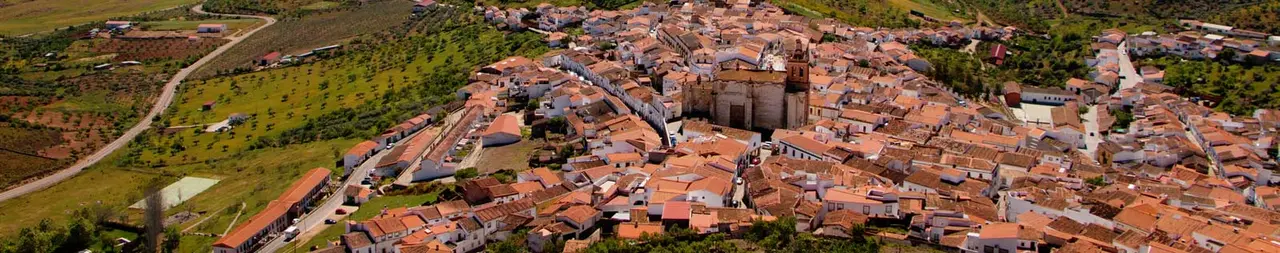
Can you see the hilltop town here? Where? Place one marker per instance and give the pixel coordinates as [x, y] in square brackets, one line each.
[716, 117]
[784, 126]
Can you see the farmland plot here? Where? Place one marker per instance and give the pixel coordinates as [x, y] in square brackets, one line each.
[155, 49]
[294, 36]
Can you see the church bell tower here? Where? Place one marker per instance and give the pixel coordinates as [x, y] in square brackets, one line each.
[798, 69]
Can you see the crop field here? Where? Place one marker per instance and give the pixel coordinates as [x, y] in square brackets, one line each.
[20, 151]
[873, 13]
[93, 110]
[294, 36]
[284, 98]
[942, 10]
[19, 17]
[172, 25]
[266, 6]
[153, 49]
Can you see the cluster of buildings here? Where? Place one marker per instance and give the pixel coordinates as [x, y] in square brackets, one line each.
[1200, 40]
[278, 215]
[711, 117]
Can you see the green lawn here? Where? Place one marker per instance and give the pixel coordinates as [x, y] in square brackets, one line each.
[194, 244]
[114, 187]
[171, 25]
[374, 206]
[321, 240]
[35, 16]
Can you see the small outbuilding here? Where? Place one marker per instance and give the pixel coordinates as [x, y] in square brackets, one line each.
[504, 130]
[211, 28]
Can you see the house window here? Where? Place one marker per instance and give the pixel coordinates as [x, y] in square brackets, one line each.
[866, 209]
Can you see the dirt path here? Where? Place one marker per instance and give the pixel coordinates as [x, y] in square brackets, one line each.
[162, 103]
[1063, 8]
[234, 220]
[206, 217]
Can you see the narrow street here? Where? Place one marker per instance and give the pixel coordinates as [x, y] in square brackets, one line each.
[1129, 76]
[1092, 135]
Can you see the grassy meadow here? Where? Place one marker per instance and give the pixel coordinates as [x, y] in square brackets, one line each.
[19, 17]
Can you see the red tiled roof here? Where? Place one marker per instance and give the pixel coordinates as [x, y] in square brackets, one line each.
[505, 124]
[275, 210]
[676, 210]
[302, 187]
[362, 148]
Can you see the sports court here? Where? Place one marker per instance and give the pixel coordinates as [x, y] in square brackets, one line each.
[180, 191]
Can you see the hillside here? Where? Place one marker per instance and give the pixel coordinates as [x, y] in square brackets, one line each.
[397, 73]
[297, 35]
[1039, 15]
[18, 17]
[1263, 17]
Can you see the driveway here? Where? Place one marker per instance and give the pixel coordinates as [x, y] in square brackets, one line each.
[162, 103]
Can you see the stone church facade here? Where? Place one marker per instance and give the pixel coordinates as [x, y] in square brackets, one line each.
[754, 99]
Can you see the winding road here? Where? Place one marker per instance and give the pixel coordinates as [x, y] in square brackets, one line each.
[162, 103]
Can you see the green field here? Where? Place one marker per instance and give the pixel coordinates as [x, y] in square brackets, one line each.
[280, 99]
[321, 5]
[295, 36]
[857, 12]
[932, 8]
[172, 25]
[255, 178]
[24, 17]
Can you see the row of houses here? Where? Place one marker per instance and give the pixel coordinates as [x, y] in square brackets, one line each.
[278, 214]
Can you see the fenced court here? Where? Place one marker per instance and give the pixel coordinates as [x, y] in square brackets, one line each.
[180, 191]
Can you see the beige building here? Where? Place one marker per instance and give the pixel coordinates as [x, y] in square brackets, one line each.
[754, 99]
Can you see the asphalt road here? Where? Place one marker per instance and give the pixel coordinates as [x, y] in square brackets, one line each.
[162, 103]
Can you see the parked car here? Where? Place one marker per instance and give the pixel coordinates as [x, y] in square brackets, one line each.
[340, 211]
[737, 180]
[331, 221]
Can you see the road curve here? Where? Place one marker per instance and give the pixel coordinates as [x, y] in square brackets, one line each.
[162, 103]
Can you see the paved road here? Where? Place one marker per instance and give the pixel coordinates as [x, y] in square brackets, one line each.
[162, 103]
[1092, 138]
[1130, 76]
[316, 217]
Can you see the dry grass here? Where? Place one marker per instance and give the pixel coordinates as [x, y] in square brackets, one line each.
[24, 17]
[514, 157]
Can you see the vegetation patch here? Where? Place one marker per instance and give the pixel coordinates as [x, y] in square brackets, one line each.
[299, 35]
[23, 17]
[871, 13]
[173, 25]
